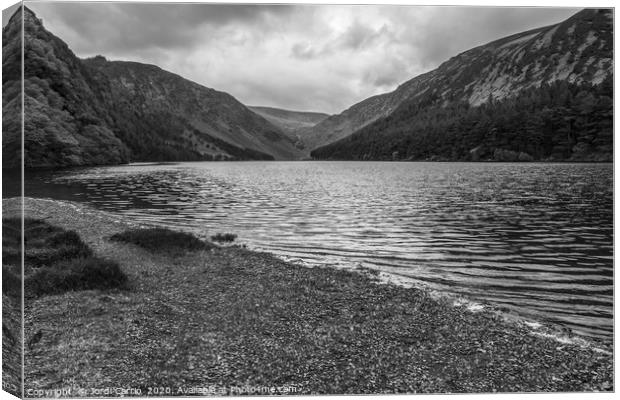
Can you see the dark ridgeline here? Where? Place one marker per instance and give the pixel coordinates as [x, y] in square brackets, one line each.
[89, 112]
[544, 94]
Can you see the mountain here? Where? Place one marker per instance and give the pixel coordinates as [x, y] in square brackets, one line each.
[577, 52]
[357, 116]
[293, 123]
[12, 91]
[94, 111]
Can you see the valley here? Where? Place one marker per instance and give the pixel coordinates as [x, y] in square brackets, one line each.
[541, 95]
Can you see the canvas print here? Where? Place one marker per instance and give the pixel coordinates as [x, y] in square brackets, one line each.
[257, 199]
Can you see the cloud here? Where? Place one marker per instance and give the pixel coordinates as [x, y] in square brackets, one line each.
[356, 37]
[307, 57]
[387, 74]
[126, 27]
[359, 35]
[305, 51]
[443, 32]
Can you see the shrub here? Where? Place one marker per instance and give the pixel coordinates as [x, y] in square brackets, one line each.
[44, 244]
[56, 246]
[35, 229]
[11, 241]
[55, 261]
[46, 256]
[11, 255]
[161, 239]
[65, 238]
[11, 222]
[11, 231]
[224, 237]
[76, 274]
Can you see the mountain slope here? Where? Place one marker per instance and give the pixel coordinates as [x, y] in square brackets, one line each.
[88, 112]
[295, 124]
[555, 122]
[210, 119]
[289, 119]
[359, 115]
[11, 90]
[578, 50]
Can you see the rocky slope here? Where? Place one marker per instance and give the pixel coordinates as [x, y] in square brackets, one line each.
[292, 123]
[578, 50]
[89, 112]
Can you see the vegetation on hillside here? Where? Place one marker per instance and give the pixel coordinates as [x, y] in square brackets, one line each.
[96, 112]
[579, 49]
[558, 121]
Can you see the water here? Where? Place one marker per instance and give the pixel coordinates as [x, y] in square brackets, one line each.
[534, 238]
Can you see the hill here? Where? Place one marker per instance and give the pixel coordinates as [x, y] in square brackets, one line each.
[92, 112]
[290, 122]
[577, 54]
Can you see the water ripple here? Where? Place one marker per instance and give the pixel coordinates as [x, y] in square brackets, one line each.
[534, 238]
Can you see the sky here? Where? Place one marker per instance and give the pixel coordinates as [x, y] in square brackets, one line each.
[298, 57]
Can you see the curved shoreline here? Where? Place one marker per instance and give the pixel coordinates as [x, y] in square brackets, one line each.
[221, 317]
[536, 327]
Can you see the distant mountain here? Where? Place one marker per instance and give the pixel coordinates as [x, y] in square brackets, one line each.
[357, 116]
[400, 125]
[291, 122]
[89, 112]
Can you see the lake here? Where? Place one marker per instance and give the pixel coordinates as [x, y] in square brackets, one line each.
[536, 239]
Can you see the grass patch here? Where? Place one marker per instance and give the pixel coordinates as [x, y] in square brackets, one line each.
[11, 241]
[11, 282]
[55, 261]
[44, 244]
[161, 240]
[75, 274]
[224, 237]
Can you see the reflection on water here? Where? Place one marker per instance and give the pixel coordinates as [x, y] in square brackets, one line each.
[534, 238]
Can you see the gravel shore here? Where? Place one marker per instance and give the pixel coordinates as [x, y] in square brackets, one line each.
[229, 320]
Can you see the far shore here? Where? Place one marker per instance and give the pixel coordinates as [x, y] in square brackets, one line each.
[229, 319]
[18, 170]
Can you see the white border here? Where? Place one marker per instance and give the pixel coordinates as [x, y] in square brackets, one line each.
[489, 3]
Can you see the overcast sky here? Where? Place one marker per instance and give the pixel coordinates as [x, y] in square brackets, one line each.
[302, 57]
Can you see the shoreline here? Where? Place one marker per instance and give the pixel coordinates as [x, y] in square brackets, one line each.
[238, 317]
[537, 327]
[86, 166]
